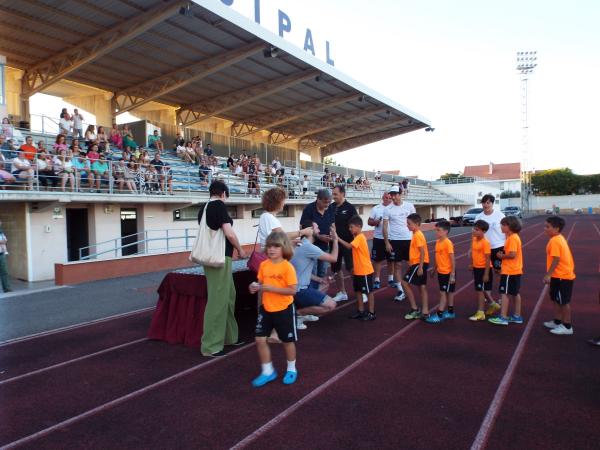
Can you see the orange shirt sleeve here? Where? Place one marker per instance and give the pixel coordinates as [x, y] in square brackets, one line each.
[487, 247]
[554, 249]
[450, 247]
[420, 240]
[510, 245]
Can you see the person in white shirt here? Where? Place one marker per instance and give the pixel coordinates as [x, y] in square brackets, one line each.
[379, 253]
[276, 164]
[22, 170]
[494, 233]
[77, 124]
[396, 234]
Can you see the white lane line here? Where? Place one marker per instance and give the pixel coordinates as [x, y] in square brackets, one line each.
[71, 361]
[74, 327]
[493, 411]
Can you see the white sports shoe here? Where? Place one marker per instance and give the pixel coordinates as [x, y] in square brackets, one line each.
[550, 324]
[400, 297]
[308, 318]
[365, 298]
[300, 325]
[561, 329]
[340, 297]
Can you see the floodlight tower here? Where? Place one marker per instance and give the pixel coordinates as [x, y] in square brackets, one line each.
[526, 62]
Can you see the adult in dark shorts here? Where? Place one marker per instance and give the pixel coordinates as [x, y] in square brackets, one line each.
[396, 234]
[310, 302]
[494, 233]
[378, 251]
[343, 211]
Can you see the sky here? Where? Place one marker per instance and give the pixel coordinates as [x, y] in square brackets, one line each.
[454, 63]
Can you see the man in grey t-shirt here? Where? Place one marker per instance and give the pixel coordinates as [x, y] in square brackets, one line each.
[311, 301]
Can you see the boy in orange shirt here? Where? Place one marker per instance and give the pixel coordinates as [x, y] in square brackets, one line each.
[362, 272]
[418, 260]
[510, 273]
[445, 264]
[276, 288]
[481, 255]
[560, 275]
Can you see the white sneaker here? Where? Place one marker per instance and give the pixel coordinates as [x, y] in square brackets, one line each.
[550, 324]
[340, 297]
[365, 298]
[400, 297]
[308, 318]
[561, 329]
[300, 325]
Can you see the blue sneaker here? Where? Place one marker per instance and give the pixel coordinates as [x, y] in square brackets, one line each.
[499, 320]
[513, 318]
[377, 284]
[290, 377]
[448, 315]
[261, 380]
[433, 318]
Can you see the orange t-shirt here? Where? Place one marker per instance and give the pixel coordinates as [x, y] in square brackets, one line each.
[557, 246]
[414, 252]
[281, 275]
[512, 266]
[29, 150]
[443, 250]
[361, 259]
[480, 248]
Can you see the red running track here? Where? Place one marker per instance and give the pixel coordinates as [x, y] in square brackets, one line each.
[383, 384]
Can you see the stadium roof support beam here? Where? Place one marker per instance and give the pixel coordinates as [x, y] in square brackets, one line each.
[357, 141]
[45, 73]
[320, 125]
[140, 94]
[205, 109]
[313, 140]
[258, 123]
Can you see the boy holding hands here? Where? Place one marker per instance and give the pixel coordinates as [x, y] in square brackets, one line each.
[418, 260]
[445, 265]
[481, 255]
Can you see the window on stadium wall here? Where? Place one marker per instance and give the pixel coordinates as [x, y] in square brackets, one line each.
[191, 213]
[284, 213]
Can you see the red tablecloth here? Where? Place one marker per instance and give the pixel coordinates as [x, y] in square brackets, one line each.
[179, 314]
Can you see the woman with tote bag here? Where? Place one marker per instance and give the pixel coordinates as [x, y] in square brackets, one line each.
[220, 326]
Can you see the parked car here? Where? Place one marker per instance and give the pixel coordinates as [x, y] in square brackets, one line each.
[513, 211]
[468, 218]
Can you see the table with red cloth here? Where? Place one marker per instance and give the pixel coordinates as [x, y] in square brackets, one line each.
[179, 314]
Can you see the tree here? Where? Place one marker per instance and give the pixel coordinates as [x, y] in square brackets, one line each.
[449, 176]
[555, 182]
[329, 161]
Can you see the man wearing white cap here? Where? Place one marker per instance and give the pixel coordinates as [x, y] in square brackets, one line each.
[396, 234]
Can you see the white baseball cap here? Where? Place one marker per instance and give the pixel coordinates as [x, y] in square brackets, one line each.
[394, 189]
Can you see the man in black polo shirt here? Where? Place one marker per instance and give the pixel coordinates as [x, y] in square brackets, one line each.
[342, 211]
[318, 212]
[164, 173]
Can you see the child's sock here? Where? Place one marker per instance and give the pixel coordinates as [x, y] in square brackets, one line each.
[440, 313]
[376, 279]
[450, 309]
[291, 366]
[567, 325]
[390, 277]
[267, 369]
[557, 321]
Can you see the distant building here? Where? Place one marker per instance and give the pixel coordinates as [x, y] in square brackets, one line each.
[491, 171]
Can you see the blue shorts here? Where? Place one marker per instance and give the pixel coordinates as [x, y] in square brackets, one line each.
[309, 297]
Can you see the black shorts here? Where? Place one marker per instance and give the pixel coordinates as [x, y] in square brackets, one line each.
[496, 263]
[478, 279]
[412, 277]
[444, 282]
[378, 252]
[400, 250]
[344, 254]
[363, 283]
[284, 322]
[510, 284]
[561, 290]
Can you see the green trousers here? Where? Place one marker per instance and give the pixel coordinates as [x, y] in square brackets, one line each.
[4, 272]
[220, 327]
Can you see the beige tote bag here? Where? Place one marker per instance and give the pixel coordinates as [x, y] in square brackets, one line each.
[209, 246]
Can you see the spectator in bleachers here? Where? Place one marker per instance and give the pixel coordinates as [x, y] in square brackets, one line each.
[45, 170]
[378, 176]
[276, 163]
[93, 154]
[116, 138]
[90, 136]
[7, 128]
[41, 146]
[29, 148]
[77, 124]
[203, 173]
[128, 140]
[65, 124]
[179, 141]
[102, 139]
[253, 183]
[155, 141]
[208, 151]
[186, 152]
[5, 176]
[305, 185]
[22, 169]
[60, 144]
[75, 143]
[100, 169]
[164, 173]
[366, 184]
[151, 174]
[404, 186]
[230, 162]
[64, 170]
[82, 169]
[145, 158]
[238, 171]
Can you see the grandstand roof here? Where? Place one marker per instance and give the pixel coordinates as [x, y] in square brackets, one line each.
[209, 65]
